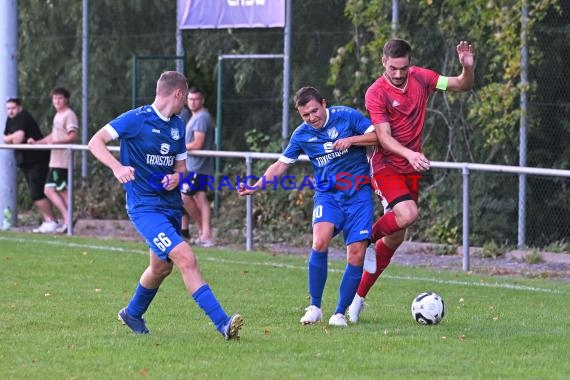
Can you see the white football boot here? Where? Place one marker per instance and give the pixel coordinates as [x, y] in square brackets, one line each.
[338, 320]
[355, 308]
[313, 314]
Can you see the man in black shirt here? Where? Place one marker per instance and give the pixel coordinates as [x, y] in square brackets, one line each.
[20, 126]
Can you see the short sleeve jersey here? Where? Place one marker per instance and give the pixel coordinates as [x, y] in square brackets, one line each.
[63, 123]
[150, 143]
[201, 122]
[23, 121]
[329, 165]
[404, 109]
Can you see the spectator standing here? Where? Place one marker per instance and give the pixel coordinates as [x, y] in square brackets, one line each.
[199, 136]
[21, 126]
[64, 131]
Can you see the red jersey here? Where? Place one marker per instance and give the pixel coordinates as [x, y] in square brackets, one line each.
[405, 110]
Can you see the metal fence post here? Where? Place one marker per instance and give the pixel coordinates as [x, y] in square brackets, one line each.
[248, 210]
[465, 173]
[70, 166]
[523, 129]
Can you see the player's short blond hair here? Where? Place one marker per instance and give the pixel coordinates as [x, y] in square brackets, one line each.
[169, 82]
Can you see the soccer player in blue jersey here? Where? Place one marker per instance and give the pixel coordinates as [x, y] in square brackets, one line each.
[334, 139]
[152, 159]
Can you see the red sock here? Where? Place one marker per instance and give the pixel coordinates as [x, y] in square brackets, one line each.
[385, 226]
[383, 256]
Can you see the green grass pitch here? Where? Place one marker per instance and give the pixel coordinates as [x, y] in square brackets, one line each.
[59, 298]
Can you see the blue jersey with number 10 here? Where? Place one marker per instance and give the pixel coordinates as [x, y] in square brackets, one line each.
[151, 144]
[335, 171]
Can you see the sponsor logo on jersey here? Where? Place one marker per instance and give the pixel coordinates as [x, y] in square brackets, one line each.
[395, 103]
[154, 130]
[164, 148]
[325, 159]
[314, 138]
[155, 159]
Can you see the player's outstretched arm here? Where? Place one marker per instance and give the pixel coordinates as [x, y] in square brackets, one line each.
[98, 147]
[277, 169]
[464, 81]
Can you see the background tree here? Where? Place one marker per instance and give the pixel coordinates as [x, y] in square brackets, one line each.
[336, 47]
[481, 126]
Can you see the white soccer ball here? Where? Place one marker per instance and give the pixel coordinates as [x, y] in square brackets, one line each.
[428, 308]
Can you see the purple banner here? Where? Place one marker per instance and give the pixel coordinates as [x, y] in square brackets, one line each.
[220, 14]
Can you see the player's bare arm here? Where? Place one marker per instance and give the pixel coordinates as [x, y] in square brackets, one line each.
[367, 139]
[273, 172]
[98, 147]
[416, 159]
[464, 81]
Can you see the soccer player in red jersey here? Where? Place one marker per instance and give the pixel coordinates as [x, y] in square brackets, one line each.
[396, 103]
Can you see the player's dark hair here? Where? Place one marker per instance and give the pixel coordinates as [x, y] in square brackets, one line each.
[397, 48]
[60, 91]
[305, 94]
[13, 99]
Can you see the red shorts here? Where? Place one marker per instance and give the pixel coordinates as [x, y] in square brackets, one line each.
[392, 187]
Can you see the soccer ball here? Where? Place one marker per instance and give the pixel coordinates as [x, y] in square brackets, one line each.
[428, 308]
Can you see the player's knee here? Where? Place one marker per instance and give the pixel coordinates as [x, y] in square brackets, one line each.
[187, 264]
[320, 244]
[407, 215]
[162, 271]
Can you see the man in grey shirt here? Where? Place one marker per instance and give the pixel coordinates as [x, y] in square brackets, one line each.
[199, 135]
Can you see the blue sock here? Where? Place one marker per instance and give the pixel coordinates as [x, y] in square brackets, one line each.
[141, 301]
[207, 301]
[348, 287]
[318, 270]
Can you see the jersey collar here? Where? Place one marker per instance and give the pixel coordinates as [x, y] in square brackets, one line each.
[327, 120]
[159, 114]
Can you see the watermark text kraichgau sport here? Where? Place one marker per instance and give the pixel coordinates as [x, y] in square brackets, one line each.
[341, 181]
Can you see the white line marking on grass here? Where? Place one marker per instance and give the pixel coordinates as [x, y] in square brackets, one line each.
[289, 266]
[76, 245]
[404, 278]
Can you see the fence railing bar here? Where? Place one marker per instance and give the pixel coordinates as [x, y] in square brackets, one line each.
[464, 167]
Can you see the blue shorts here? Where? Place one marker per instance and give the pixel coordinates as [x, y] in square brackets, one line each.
[160, 229]
[352, 215]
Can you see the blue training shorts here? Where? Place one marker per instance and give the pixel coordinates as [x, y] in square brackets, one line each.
[353, 215]
[160, 229]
